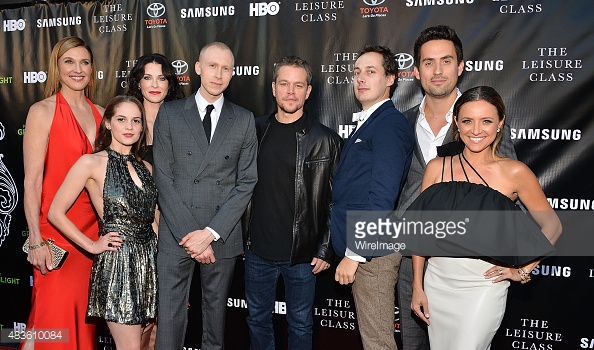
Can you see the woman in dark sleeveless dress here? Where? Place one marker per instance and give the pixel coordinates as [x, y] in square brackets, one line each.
[123, 287]
[463, 297]
[152, 80]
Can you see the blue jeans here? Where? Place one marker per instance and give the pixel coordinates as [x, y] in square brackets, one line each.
[261, 276]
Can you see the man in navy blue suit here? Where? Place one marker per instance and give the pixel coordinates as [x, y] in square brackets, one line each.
[372, 169]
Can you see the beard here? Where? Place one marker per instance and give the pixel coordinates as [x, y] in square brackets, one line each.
[289, 109]
[440, 91]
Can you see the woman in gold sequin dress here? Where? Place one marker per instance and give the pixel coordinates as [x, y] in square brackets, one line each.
[123, 286]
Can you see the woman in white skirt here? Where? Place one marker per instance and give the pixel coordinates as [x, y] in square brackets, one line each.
[462, 297]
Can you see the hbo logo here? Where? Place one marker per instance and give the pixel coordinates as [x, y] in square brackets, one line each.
[34, 77]
[10, 25]
[263, 8]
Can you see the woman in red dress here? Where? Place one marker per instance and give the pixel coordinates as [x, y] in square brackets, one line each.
[60, 129]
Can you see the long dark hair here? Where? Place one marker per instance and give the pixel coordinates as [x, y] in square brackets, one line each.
[174, 91]
[103, 141]
[481, 93]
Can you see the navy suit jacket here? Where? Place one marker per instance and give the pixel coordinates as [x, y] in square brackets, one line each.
[372, 169]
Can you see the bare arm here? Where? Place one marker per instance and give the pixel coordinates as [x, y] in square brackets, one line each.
[81, 175]
[346, 270]
[534, 199]
[35, 140]
[419, 303]
[432, 173]
[532, 196]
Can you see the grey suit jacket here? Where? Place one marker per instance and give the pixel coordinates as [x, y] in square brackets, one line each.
[202, 184]
[412, 186]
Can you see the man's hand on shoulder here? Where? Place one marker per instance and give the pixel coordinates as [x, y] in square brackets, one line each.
[345, 271]
[196, 242]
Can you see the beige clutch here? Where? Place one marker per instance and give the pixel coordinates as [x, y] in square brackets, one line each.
[58, 254]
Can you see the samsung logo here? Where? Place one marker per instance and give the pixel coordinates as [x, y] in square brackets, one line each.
[211, 11]
[410, 3]
[546, 134]
[246, 70]
[58, 22]
[478, 66]
[571, 203]
[553, 271]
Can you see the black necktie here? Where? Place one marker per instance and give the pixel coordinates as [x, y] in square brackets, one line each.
[207, 123]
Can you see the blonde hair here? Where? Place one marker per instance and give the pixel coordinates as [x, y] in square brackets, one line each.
[53, 84]
[219, 45]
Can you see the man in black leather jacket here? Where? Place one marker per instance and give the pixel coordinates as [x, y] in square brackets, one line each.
[287, 222]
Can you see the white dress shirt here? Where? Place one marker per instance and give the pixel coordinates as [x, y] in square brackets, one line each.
[360, 118]
[428, 141]
[214, 117]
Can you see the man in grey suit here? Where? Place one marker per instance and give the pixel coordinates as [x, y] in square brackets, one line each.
[438, 63]
[205, 170]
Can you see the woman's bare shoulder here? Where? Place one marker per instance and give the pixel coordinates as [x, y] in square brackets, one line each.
[100, 109]
[43, 109]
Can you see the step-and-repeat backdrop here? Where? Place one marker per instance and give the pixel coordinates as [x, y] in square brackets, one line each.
[539, 54]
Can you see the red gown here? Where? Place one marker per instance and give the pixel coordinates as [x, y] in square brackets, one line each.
[59, 299]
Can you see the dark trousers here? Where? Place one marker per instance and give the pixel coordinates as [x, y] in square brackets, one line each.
[412, 329]
[175, 278]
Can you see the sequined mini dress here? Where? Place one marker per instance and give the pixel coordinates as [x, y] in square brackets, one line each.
[123, 286]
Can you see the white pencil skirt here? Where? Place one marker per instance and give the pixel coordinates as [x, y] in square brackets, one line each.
[465, 309]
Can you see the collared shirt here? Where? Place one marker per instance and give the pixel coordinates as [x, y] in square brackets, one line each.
[428, 142]
[216, 112]
[365, 115]
[214, 117]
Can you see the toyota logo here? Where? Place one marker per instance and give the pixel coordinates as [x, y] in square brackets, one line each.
[404, 60]
[180, 67]
[155, 10]
[373, 2]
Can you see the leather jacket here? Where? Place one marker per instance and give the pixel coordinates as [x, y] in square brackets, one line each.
[318, 153]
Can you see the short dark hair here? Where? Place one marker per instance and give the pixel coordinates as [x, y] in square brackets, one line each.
[481, 93]
[294, 61]
[103, 141]
[174, 91]
[388, 61]
[439, 32]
